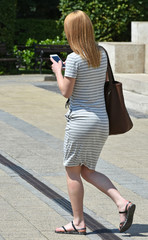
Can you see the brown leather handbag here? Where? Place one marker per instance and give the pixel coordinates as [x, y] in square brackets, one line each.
[119, 119]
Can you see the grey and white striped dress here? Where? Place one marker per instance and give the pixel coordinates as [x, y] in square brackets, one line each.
[87, 122]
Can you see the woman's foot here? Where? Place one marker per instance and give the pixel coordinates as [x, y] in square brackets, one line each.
[121, 208]
[126, 216]
[71, 228]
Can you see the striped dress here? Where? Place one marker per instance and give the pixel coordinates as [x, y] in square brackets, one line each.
[87, 122]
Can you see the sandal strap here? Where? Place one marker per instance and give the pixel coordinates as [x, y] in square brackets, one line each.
[121, 223]
[125, 211]
[74, 226]
[64, 228]
[77, 230]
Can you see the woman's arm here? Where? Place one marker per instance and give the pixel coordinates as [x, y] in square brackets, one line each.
[66, 84]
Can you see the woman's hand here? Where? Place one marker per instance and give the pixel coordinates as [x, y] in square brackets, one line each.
[56, 66]
[65, 84]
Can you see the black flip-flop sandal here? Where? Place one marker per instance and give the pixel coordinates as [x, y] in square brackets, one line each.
[129, 217]
[81, 231]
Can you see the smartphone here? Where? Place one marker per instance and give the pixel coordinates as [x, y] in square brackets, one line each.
[57, 59]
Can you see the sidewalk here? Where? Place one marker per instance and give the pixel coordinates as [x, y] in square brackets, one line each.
[31, 136]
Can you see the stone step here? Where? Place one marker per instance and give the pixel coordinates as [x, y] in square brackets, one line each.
[136, 101]
[137, 83]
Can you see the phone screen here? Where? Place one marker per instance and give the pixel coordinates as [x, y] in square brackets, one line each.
[57, 59]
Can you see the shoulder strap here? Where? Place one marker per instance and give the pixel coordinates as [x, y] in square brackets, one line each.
[109, 69]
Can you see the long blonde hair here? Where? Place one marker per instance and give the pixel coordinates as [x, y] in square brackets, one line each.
[80, 35]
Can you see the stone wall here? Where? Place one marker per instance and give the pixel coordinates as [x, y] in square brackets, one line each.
[126, 57]
[139, 32]
[146, 58]
[130, 57]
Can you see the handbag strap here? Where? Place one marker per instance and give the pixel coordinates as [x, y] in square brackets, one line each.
[109, 69]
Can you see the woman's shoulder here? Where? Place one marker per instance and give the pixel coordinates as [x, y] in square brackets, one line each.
[74, 56]
[102, 49]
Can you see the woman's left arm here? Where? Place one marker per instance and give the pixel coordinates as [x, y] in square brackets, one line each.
[66, 84]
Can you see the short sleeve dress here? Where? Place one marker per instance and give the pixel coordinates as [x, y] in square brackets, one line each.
[87, 122]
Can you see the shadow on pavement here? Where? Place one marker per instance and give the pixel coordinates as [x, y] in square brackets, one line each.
[139, 230]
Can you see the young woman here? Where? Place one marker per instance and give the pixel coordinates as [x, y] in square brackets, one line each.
[87, 121]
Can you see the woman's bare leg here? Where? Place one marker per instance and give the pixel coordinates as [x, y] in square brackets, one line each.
[104, 184]
[76, 193]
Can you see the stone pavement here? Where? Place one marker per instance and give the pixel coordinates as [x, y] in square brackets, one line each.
[31, 136]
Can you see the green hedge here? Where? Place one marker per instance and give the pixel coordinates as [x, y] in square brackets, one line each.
[7, 21]
[27, 56]
[35, 28]
[111, 19]
[40, 9]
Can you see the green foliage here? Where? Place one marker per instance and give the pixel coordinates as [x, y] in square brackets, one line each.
[35, 28]
[56, 41]
[27, 55]
[7, 21]
[111, 19]
[38, 9]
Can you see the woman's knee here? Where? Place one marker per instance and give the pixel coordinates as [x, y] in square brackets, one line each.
[73, 173]
[86, 173]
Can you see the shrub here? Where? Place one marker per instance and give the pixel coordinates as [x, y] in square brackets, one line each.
[35, 28]
[111, 19]
[37, 9]
[27, 56]
[7, 21]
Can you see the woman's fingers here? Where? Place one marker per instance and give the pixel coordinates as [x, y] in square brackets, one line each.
[56, 66]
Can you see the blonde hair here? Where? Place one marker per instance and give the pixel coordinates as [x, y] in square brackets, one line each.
[80, 35]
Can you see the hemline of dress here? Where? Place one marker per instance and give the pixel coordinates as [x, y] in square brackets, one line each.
[65, 165]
